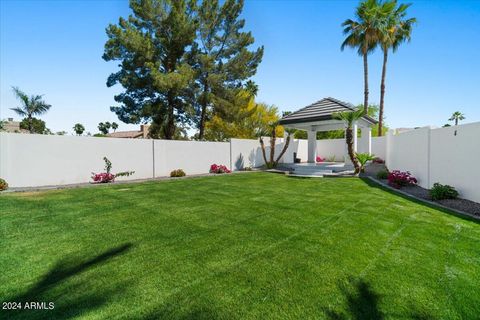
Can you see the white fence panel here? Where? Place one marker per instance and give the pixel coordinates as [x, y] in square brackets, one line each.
[454, 158]
[379, 147]
[28, 160]
[408, 151]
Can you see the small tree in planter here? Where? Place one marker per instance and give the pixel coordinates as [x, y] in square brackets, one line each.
[107, 176]
[363, 158]
[349, 118]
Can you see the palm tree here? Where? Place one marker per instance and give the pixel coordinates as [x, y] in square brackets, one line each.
[104, 127]
[272, 162]
[457, 116]
[78, 128]
[349, 117]
[392, 34]
[31, 106]
[114, 126]
[363, 35]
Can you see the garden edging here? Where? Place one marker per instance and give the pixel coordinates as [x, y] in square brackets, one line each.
[459, 212]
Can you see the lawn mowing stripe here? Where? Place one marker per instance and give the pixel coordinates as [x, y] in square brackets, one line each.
[252, 255]
[387, 245]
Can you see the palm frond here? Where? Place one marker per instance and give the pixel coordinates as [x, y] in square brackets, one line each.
[19, 111]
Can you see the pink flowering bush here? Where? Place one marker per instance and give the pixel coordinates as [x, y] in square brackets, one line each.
[398, 179]
[103, 177]
[106, 177]
[219, 168]
[320, 159]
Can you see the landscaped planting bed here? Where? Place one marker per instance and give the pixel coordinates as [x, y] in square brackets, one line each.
[243, 246]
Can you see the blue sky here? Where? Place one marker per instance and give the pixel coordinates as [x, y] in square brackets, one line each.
[55, 47]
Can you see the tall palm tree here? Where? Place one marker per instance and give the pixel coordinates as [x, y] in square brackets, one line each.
[457, 116]
[362, 34]
[31, 106]
[349, 117]
[396, 30]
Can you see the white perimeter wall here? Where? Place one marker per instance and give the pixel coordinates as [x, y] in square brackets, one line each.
[438, 155]
[432, 155]
[39, 160]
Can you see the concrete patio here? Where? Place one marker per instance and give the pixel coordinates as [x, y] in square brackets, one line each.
[318, 169]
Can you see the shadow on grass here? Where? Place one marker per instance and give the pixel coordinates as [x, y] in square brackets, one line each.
[362, 302]
[432, 206]
[72, 296]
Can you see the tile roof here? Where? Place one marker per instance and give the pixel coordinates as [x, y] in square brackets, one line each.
[321, 110]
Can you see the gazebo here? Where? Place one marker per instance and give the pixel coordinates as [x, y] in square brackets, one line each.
[318, 116]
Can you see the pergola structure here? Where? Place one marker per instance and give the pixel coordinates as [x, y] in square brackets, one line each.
[319, 117]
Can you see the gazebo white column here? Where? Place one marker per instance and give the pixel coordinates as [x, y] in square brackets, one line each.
[366, 140]
[347, 157]
[312, 145]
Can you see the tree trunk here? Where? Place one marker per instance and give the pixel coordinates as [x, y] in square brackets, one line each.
[351, 153]
[262, 144]
[203, 113]
[170, 123]
[456, 122]
[285, 147]
[365, 81]
[273, 139]
[382, 92]
[30, 123]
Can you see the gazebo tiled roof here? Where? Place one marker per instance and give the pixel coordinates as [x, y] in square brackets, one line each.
[321, 110]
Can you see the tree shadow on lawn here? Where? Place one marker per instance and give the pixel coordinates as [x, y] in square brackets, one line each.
[71, 296]
[373, 184]
[362, 302]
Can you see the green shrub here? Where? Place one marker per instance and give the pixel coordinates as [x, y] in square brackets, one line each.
[177, 173]
[382, 174]
[363, 158]
[441, 191]
[3, 185]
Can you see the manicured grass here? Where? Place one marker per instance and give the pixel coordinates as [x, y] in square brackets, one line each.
[240, 246]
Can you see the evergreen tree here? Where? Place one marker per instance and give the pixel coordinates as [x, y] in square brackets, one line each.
[150, 45]
[221, 58]
[79, 129]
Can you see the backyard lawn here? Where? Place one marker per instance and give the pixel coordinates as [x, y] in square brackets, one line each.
[243, 246]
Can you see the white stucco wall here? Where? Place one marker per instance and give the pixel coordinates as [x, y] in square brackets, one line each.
[194, 157]
[432, 155]
[331, 147]
[438, 155]
[38, 160]
[247, 153]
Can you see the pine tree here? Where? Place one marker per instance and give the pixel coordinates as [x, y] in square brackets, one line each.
[150, 46]
[221, 58]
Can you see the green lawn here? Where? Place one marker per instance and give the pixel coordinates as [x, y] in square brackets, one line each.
[243, 246]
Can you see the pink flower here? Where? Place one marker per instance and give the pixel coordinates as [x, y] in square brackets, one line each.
[103, 177]
[398, 179]
[214, 168]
